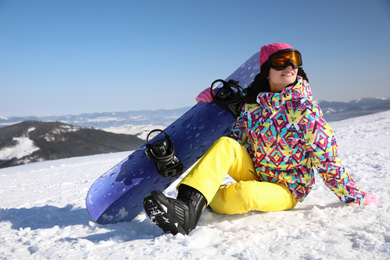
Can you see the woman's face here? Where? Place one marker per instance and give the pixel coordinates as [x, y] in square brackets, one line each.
[280, 79]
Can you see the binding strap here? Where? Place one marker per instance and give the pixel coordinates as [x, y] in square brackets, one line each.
[163, 154]
[229, 96]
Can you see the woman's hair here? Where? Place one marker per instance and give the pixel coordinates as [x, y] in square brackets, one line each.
[261, 83]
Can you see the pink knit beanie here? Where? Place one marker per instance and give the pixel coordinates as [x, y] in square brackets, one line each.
[269, 49]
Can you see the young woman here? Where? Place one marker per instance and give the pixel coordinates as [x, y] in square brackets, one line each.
[277, 143]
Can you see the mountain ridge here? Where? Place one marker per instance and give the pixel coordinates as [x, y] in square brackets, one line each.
[33, 141]
[137, 123]
[336, 110]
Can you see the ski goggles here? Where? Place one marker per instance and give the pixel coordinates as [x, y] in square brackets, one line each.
[281, 59]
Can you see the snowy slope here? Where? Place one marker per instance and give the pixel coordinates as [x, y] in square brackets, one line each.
[43, 214]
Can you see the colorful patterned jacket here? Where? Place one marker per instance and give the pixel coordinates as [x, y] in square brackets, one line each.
[288, 139]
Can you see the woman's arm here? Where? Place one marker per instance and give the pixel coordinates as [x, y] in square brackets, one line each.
[322, 144]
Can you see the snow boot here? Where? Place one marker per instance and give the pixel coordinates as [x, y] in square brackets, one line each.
[179, 215]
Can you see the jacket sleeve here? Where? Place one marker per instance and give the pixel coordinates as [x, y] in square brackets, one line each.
[322, 145]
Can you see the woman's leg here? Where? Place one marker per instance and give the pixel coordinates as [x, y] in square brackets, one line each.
[226, 156]
[244, 196]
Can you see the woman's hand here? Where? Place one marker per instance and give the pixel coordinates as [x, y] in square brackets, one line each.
[205, 96]
[369, 198]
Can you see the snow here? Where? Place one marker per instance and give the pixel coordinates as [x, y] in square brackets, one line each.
[55, 135]
[43, 213]
[24, 146]
[105, 119]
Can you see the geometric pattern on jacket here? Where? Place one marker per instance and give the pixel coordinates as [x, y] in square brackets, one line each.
[288, 139]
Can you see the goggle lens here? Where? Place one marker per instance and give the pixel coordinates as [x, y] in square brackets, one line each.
[281, 59]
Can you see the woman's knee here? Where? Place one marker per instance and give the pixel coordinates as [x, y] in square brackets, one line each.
[224, 140]
[264, 196]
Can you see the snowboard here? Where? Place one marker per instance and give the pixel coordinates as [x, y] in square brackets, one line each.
[118, 194]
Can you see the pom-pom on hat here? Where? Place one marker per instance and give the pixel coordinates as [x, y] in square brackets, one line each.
[269, 49]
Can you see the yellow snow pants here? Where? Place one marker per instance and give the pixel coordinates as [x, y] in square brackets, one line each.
[227, 156]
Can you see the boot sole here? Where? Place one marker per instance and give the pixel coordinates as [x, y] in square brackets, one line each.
[160, 216]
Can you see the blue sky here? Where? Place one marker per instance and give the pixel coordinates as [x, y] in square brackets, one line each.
[62, 57]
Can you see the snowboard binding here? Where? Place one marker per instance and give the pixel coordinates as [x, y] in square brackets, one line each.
[229, 97]
[163, 154]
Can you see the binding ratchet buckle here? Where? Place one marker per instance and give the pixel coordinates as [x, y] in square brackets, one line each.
[229, 96]
[163, 154]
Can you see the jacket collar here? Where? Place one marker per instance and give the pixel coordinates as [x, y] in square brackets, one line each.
[300, 90]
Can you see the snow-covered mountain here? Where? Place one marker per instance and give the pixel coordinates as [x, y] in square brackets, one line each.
[132, 122]
[32, 141]
[335, 111]
[142, 122]
[43, 213]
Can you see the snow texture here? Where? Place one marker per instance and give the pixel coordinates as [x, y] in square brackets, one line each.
[43, 213]
[23, 146]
